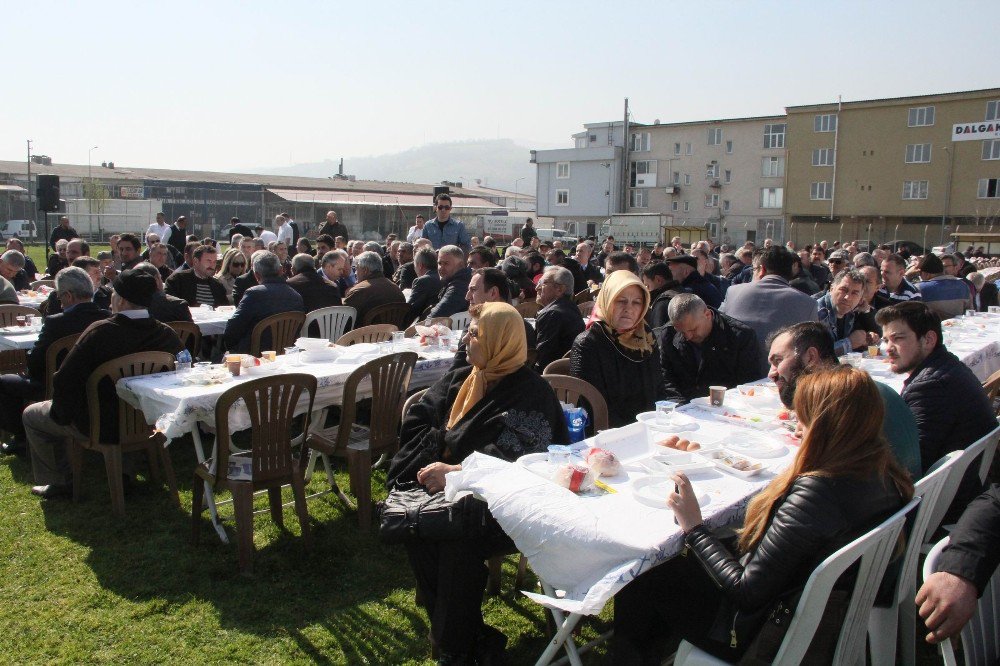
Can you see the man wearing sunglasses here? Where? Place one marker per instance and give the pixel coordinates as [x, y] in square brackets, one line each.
[443, 230]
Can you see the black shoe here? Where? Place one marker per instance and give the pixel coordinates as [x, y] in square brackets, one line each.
[15, 447]
[52, 491]
[491, 647]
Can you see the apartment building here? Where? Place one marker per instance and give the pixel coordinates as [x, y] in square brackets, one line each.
[889, 169]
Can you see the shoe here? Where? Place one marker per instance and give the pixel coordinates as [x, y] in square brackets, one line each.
[52, 491]
[15, 447]
[491, 647]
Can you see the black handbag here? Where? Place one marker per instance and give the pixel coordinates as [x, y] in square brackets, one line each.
[410, 514]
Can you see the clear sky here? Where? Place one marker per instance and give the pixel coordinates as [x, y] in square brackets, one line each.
[236, 85]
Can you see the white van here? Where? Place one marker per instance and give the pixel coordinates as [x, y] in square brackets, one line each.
[19, 228]
[556, 234]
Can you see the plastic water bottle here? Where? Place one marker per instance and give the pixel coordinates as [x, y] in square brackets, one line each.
[183, 361]
[576, 423]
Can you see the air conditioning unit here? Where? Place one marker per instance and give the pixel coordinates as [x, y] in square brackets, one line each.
[671, 190]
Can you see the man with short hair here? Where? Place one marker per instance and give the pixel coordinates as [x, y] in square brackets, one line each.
[101, 294]
[407, 272]
[455, 277]
[198, 284]
[12, 269]
[237, 227]
[702, 347]
[333, 227]
[316, 292]
[164, 307]
[818, 268]
[177, 236]
[285, 233]
[443, 230]
[373, 288]
[837, 310]
[620, 261]
[947, 295]
[591, 271]
[895, 287]
[558, 322]
[528, 232]
[62, 232]
[50, 423]
[807, 347]
[949, 403]
[489, 285]
[684, 269]
[480, 257]
[336, 268]
[271, 296]
[417, 230]
[160, 228]
[706, 268]
[662, 287]
[128, 251]
[426, 285]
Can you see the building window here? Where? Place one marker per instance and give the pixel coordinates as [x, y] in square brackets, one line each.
[677, 149]
[820, 191]
[915, 189]
[562, 197]
[562, 170]
[989, 188]
[673, 206]
[593, 138]
[687, 179]
[823, 157]
[640, 142]
[711, 201]
[771, 197]
[772, 167]
[725, 205]
[918, 153]
[991, 149]
[825, 123]
[638, 198]
[715, 136]
[687, 149]
[774, 135]
[729, 147]
[920, 116]
[712, 170]
[993, 110]
[729, 176]
[677, 178]
[643, 174]
[687, 206]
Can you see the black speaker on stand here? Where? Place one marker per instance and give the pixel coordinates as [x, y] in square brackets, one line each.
[48, 201]
[440, 189]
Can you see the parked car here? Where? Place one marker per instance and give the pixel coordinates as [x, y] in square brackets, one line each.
[556, 234]
[915, 249]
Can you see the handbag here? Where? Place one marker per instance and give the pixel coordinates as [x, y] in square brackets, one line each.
[410, 514]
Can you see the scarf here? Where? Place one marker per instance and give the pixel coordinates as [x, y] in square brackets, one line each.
[637, 338]
[501, 336]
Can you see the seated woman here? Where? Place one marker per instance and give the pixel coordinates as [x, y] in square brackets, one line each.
[233, 265]
[843, 482]
[498, 406]
[618, 353]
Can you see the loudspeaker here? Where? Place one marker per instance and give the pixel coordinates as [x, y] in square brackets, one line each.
[440, 189]
[48, 194]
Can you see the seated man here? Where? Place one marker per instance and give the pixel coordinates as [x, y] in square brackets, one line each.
[455, 276]
[684, 269]
[373, 288]
[271, 296]
[702, 347]
[12, 268]
[47, 424]
[949, 403]
[76, 293]
[163, 307]
[947, 295]
[558, 322]
[837, 310]
[335, 267]
[426, 285]
[895, 287]
[316, 292]
[102, 294]
[803, 348]
[197, 285]
[489, 285]
[407, 272]
[662, 287]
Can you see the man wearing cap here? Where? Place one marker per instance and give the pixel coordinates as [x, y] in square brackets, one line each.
[684, 269]
[49, 423]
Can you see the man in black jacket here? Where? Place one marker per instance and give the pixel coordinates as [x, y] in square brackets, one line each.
[558, 322]
[684, 269]
[163, 307]
[559, 258]
[703, 347]
[662, 287]
[333, 227]
[62, 232]
[198, 285]
[237, 227]
[426, 285]
[315, 291]
[455, 278]
[177, 238]
[76, 292]
[271, 296]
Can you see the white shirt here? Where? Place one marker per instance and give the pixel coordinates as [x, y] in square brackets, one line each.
[285, 234]
[268, 237]
[163, 231]
[414, 234]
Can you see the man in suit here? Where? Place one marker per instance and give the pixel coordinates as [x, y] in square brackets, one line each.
[426, 285]
[197, 285]
[455, 276]
[102, 294]
[316, 292]
[373, 288]
[163, 307]
[769, 302]
[49, 423]
[177, 238]
[271, 296]
[76, 295]
[407, 272]
[684, 269]
[558, 321]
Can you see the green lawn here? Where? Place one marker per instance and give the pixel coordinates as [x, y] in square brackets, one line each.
[81, 586]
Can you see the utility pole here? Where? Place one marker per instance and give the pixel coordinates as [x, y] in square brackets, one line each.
[623, 177]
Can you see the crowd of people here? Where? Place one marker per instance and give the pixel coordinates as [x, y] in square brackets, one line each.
[640, 324]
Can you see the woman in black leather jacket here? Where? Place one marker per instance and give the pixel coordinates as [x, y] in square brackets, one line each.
[843, 482]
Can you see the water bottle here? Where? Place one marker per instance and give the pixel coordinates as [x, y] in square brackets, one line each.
[183, 361]
[576, 423]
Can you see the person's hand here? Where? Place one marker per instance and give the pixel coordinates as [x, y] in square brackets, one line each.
[945, 602]
[874, 338]
[684, 503]
[432, 476]
[110, 274]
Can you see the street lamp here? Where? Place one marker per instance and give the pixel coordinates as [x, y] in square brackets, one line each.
[516, 207]
[90, 179]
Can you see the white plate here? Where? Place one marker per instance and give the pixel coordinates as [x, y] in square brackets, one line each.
[261, 370]
[743, 474]
[308, 344]
[320, 355]
[754, 446]
[206, 379]
[653, 490]
[537, 463]
[660, 463]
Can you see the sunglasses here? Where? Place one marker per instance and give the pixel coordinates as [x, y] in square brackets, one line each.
[444, 207]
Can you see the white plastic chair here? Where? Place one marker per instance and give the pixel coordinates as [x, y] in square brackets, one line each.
[333, 321]
[460, 321]
[899, 619]
[981, 635]
[873, 550]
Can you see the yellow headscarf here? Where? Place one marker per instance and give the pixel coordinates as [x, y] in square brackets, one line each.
[638, 337]
[501, 335]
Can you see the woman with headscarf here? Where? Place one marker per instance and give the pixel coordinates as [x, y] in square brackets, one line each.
[495, 405]
[617, 354]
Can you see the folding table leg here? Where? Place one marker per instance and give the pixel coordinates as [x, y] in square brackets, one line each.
[564, 634]
[199, 452]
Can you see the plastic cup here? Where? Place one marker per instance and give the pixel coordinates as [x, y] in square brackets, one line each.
[269, 355]
[397, 340]
[292, 354]
[994, 309]
[183, 367]
[873, 351]
[970, 313]
[717, 395]
[234, 362]
[664, 410]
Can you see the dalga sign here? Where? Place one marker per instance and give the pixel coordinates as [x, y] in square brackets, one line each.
[975, 131]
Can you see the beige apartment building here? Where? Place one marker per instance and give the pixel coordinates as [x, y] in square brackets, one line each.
[888, 169]
[725, 176]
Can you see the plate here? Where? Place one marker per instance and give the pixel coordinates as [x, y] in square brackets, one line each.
[211, 378]
[308, 344]
[677, 420]
[755, 446]
[320, 355]
[721, 460]
[653, 490]
[669, 461]
[261, 370]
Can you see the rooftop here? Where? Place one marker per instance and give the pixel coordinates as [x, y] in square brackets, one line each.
[962, 94]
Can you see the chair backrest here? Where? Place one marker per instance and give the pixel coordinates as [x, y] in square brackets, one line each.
[132, 426]
[528, 309]
[557, 367]
[412, 330]
[873, 549]
[586, 308]
[373, 333]
[412, 400]
[571, 389]
[190, 336]
[332, 321]
[271, 403]
[54, 355]
[10, 313]
[992, 387]
[583, 296]
[985, 446]
[981, 634]
[460, 321]
[39, 283]
[397, 314]
[283, 327]
[390, 379]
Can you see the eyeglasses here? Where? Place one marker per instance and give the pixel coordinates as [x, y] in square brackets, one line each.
[444, 207]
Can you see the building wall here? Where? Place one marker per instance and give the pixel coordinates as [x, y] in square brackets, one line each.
[586, 186]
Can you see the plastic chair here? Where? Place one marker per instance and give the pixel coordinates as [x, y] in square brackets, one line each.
[412, 400]
[390, 379]
[460, 321]
[54, 355]
[332, 321]
[572, 389]
[283, 328]
[397, 314]
[373, 333]
[586, 308]
[873, 550]
[980, 636]
[559, 366]
[42, 283]
[992, 388]
[10, 313]
[528, 309]
[190, 336]
[271, 403]
[134, 434]
[412, 330]
[897, 623]
[584, 295]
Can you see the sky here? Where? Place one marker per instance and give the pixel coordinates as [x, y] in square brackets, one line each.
[238, 85]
